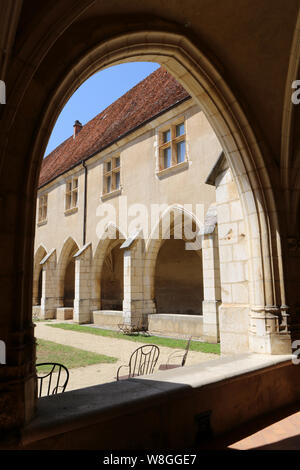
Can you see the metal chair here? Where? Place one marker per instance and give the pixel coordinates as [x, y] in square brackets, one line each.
[183, 354]
[141, 362]
[55, 380]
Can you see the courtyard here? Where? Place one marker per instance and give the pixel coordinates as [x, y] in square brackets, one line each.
[100, 373]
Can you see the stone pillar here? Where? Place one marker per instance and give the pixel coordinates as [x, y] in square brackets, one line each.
[211, 286]
[133, 303]
[50, 300]
[248, 320]
[82, 301]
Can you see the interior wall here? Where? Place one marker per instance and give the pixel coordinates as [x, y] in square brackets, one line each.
[178, 279]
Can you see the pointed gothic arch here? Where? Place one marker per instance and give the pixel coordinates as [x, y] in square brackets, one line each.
[66, 273]
[109, 240]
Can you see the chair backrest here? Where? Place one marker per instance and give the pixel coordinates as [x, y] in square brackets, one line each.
[143, 360]
[186, 352]
[52, 379]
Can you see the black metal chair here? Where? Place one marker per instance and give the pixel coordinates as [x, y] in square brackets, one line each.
[53, 380]
[176, 354]
[142, 361]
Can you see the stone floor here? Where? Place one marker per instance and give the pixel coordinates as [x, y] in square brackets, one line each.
[279, 430]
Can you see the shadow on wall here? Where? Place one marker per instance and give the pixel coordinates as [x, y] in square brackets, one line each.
[178, 279]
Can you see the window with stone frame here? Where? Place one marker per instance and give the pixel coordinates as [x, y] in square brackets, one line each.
[112, 175]
[71, 193]
[43, 206]
[172, 145]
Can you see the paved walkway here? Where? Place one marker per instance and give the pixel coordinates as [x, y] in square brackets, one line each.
[122, 349]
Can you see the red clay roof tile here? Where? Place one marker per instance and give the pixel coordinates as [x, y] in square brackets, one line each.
[155, 94]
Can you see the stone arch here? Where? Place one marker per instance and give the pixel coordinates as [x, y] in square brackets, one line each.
[65, 267]
[153, 244]
[37, 269]
[191, 67]
[289, 204]
[28, 73]
[202, 80]
[108, 240]
[290, 169]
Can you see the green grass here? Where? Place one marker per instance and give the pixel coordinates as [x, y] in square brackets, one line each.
[142, 338]
[48, 351]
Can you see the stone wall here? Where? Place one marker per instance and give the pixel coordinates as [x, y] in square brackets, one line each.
[234, 270]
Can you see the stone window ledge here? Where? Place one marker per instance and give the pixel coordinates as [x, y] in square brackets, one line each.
[172, 169]
[114, 193]
[71, 211]
[42, 222]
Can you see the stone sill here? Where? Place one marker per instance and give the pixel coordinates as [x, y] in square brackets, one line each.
[114, 193]
[85, 407]
[71, 211]
[42, 222]
[173, 169]
[108, 312]
[178, 316]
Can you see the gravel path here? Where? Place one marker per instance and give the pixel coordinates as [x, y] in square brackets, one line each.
[122, 349]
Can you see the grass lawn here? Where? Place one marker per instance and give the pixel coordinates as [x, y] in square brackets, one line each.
[48, 351]
[141, 338]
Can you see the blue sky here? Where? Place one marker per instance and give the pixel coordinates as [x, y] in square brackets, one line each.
[94, 95]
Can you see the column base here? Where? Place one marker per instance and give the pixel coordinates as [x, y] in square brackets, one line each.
[272, 343]
[211, 329]
[82, 312]
[133, 313]
[266, 334]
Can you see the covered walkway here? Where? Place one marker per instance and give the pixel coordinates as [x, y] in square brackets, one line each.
[279, 430]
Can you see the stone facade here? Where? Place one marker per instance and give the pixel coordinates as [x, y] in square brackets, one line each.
[131, 270]
[144, 285]
[227, 62]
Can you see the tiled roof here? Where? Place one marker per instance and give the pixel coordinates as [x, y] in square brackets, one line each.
[155, 94]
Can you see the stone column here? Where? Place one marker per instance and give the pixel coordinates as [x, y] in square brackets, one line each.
[133, 281]
[211, 286]
[82, 301]
[50, 300]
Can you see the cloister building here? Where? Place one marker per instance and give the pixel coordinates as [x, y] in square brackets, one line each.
[233, 131]
[139, 222]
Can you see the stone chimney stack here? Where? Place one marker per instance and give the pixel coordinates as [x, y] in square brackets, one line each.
[77, 128]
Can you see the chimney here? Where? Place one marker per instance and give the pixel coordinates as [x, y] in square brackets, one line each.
[77, 128]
